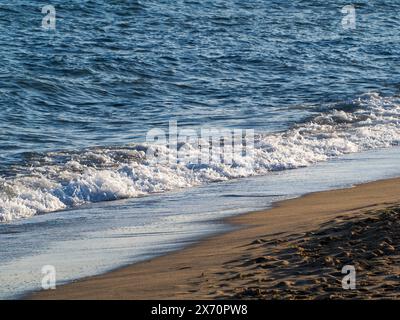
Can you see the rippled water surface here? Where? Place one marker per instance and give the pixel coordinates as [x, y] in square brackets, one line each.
[112, 70]
[76, 104]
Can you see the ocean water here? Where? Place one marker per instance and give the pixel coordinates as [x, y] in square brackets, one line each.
[77, 102]
[97, 238]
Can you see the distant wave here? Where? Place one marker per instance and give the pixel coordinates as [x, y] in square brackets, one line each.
[59, 180]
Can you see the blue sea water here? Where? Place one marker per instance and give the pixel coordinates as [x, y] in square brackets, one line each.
[114, 69]
[76, 102]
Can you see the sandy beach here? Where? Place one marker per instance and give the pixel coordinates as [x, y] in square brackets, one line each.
[296, 250]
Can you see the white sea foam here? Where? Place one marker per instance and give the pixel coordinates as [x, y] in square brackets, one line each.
[113, 173]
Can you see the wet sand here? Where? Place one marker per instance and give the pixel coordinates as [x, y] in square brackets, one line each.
[295, 250]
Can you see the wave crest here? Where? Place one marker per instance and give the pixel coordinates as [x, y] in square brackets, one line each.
[61, 180]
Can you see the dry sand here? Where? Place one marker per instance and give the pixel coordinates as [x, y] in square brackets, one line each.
[294, 251]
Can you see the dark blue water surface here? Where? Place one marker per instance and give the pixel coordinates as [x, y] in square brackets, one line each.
[114, 69]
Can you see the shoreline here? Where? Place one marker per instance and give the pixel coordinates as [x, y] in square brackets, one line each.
[215, 267]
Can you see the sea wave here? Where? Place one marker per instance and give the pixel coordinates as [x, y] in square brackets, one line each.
[60, 180]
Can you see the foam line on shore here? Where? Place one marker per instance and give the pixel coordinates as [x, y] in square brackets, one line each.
[61, 180]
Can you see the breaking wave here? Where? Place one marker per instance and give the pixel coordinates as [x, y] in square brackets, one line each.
[59, 180]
